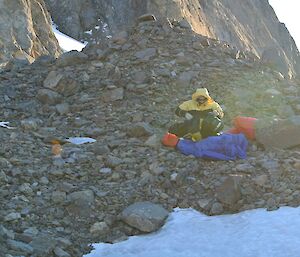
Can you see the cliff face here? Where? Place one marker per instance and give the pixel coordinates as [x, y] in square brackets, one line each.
[248, 25]
[25, 31]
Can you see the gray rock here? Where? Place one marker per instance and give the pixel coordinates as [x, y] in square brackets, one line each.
[113, 95]
[185, 78]
[261, 180]
[113, 161]
[100, 148]
[271, 204]
[229, 191]
[26, 189]
[105, 170]
[153, 141]
[60, 252]
[99, 228]
[120, 38]
[43, 244]
[95, 132]
[19, 246]
[285, 131]
[139, 77]
[12, 216]
[145, 216]
[59, 197]
[43, 61]
[64, 242]
[62, 108]
[204, 203]
[71, 58]
[53, 79]
[269, 164]
[185, 24]
[81, 197]
[156, 168]
[67, 87]
[3, 177]
[30, 124]
[47, 96]
[245, 167]
[146, 54]
[140, 129]
[31, 231]
[5, 233]
[216, 209]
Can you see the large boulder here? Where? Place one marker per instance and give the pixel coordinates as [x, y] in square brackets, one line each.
[145, 216]
[278, 133]
[229, 191]
[25, 31]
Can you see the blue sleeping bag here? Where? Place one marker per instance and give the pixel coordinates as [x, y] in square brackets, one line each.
[223, 147]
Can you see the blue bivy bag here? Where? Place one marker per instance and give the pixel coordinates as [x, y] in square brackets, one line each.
[224, 147]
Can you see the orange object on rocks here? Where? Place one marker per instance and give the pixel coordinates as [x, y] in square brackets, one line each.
[170, 140]
[245, 125]
[56, 148]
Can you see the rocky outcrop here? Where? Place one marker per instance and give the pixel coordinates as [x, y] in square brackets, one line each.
[104, 17]
[25, 31]
[247, 25]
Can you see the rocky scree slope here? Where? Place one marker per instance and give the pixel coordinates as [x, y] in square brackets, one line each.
[25, 31]
[123, 94]
[250, 25]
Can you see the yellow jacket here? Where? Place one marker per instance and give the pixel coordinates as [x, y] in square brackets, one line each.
[193, 105]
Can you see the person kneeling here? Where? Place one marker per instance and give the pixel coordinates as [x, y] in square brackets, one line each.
[203, 117]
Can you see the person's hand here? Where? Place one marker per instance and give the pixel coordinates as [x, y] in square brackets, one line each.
[216, 113]
[188, 116]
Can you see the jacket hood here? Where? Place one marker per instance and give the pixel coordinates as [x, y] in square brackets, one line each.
[201, 92]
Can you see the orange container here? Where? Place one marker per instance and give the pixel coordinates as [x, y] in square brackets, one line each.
[170, 140]
[245, 125]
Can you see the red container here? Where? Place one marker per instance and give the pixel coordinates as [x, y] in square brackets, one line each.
[170, 140]
[245, 125]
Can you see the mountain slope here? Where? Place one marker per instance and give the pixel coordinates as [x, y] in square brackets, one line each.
[248, 25]
[123, 94]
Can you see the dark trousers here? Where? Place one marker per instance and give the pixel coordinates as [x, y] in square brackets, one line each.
[186, 128]
[210, 127]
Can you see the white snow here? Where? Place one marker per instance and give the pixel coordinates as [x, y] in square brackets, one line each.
[67, 43]
[90, 32]
[188, 233]
[80, 140]
[4, 124]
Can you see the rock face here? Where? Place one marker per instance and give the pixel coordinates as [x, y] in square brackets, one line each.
[248, 25]
[25, 31]
[108, 16]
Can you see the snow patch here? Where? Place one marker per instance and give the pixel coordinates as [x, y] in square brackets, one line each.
[80, 140]
[90, 32]
[4, 124]
[67, 43]
[190, 233]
